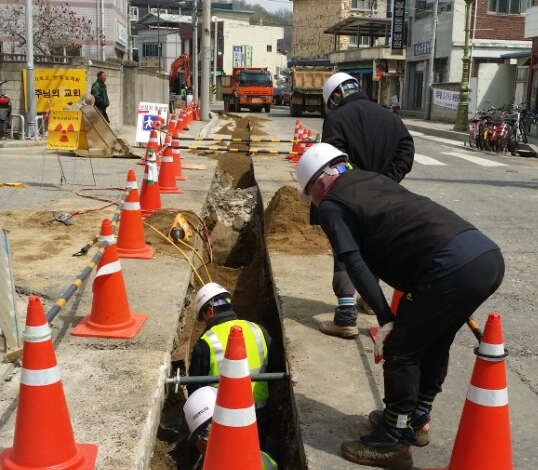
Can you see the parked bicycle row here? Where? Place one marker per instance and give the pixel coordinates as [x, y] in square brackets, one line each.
[501, 129]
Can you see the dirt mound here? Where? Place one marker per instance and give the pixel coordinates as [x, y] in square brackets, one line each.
[288, 228]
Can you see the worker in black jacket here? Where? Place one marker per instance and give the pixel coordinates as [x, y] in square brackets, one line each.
[445, 267]
[375, 139]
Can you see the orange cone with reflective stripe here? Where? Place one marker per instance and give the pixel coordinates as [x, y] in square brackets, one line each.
[177, 157]
[131, 241]
[43, 432]
[296, 137]
[484, 441]
[110, 316]
[167, 173]
[233, 441]
[301, 146]
[172, 123]
[150, 196]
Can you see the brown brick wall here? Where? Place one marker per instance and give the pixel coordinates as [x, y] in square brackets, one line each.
[496, 26]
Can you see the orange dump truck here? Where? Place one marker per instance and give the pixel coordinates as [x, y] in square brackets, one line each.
[250, 88]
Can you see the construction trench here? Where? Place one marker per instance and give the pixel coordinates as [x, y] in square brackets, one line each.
[235, 220]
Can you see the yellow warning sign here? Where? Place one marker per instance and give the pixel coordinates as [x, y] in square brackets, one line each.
[64, 129]
[56, 88]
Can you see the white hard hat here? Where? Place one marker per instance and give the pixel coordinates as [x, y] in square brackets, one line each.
[333, 82]
[313, 160]
[199, 407]
[206, 293]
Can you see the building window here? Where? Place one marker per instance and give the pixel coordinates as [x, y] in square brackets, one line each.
[509, 7]
[150, 50]
[269, 48]
[133, 13]
[363, 5]
[360, 41]
[158, 11]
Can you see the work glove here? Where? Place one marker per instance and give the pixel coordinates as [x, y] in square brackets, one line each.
[380, 339]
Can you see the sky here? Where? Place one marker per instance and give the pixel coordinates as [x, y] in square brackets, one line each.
[273, 5]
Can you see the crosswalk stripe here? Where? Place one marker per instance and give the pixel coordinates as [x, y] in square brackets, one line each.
[477, 160]
[425, 160]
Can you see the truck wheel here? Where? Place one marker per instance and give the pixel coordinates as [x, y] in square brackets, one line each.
[267, 108]
[295, 110]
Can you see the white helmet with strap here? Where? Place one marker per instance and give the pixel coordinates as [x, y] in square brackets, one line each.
[335, 81]
[312, 162]
[206, 293]
[199, 407]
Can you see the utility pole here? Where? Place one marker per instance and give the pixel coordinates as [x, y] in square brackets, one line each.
[30, 72]
[206, 60]
[463, 105]
[195, 93]
[431, 68]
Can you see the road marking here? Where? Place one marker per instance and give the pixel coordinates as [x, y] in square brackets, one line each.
[424, 160]
[477, 160]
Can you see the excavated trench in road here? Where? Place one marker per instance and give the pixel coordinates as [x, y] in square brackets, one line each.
[234, 217]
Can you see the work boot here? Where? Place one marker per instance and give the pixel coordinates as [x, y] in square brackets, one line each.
[363, 307]
[344, 323]
[385, 447]
[419, 422]
[332, 329]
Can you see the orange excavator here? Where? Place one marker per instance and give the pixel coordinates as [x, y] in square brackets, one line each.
[180, 74]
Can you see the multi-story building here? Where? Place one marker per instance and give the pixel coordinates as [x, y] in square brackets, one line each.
[358, 36]
[239, 43]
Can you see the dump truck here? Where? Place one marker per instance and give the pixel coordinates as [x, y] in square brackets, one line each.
[250, 88]
[307, 89]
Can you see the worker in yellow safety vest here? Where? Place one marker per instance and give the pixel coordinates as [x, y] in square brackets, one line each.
[214, 307]
[198, 410]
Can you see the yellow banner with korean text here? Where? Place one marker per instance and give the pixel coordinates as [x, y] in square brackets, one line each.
[56, 88]
[64, 130]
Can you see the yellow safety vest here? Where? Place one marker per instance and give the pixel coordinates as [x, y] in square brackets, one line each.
[217, 339]
[268, 463]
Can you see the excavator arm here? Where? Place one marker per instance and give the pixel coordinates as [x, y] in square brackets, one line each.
[180, 65]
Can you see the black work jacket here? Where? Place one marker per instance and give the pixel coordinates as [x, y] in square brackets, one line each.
[399, 232]
[375, 138]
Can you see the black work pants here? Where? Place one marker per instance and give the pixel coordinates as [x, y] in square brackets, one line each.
[429, 316]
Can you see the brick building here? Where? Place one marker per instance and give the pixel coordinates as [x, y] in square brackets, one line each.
[358, 34]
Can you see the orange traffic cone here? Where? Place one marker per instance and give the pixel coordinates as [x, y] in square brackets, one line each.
[309, 139]
[301, 144]
[485, 420]
[131, 241]
[296, 137]
[150, 196]
[172, 123]
[233, 441]
[43, 432]
[177, 157]
[167, 173]
[110, 316]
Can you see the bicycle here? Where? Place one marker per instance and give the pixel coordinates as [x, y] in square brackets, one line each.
[522, 120]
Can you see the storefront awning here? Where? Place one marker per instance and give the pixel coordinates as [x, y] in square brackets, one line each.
[356, 71]
[375, 27]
